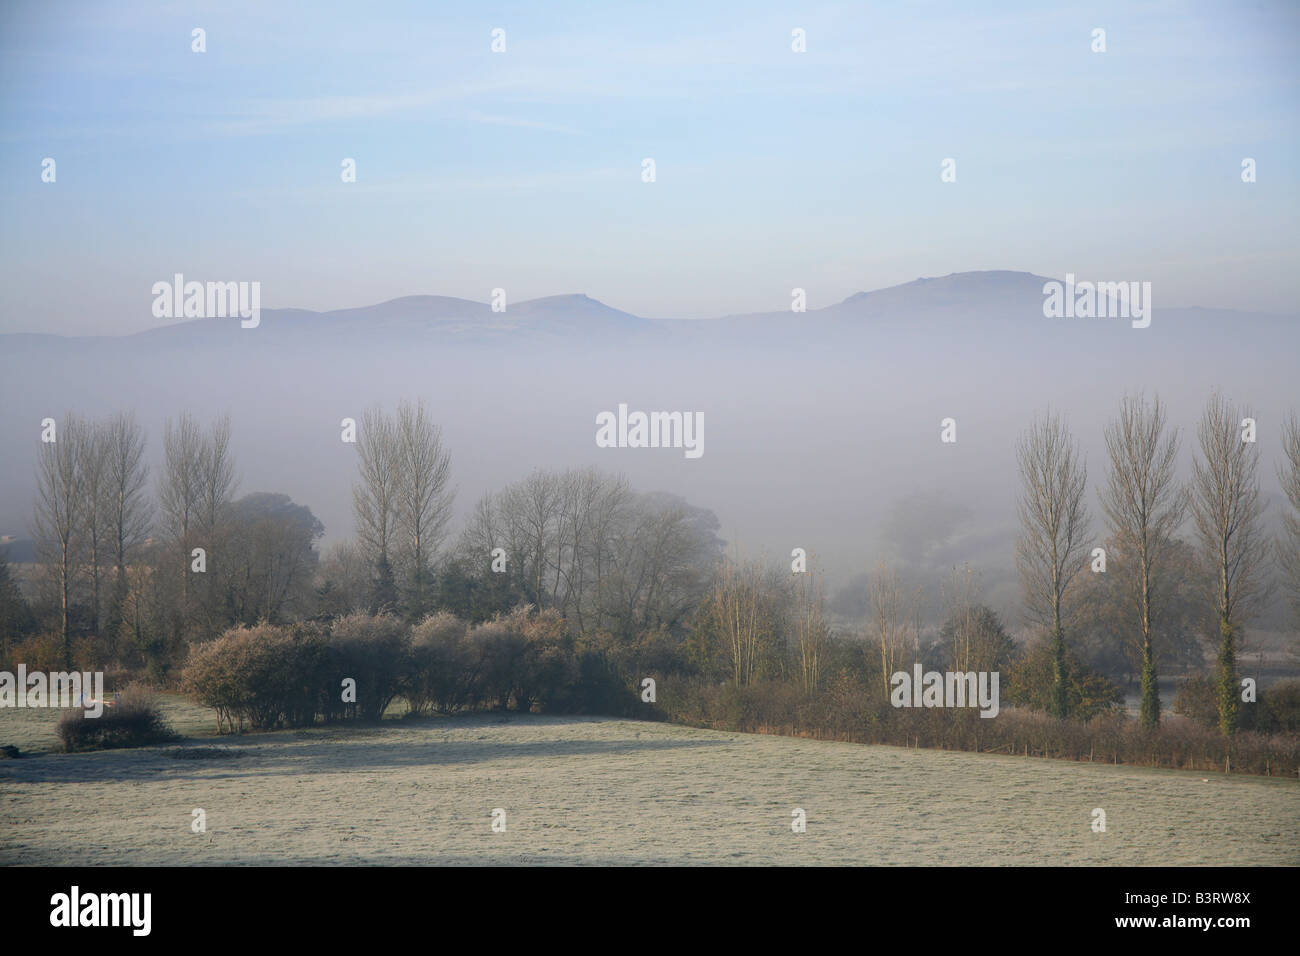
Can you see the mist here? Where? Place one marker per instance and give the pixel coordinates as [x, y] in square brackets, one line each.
[822, 430]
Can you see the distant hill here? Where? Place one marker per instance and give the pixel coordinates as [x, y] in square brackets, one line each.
[962, 302]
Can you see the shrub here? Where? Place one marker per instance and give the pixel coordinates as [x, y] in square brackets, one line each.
[600, 689]
[1279, 709]
[846, 706]
[134, 721]
[266, 675]
[40, 652]
[375, 651]
[549, 676]
[442, 673]
[497, 648]
[528, 658]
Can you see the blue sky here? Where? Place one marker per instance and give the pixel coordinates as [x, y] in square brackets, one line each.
[522, 169]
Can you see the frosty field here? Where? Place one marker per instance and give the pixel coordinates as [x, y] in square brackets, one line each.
[590, 790]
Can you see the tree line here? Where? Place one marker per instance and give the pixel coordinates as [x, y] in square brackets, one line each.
[130, 569]
[1145, 508]
[157, 574]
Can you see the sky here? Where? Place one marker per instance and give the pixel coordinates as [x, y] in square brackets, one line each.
[522, 169]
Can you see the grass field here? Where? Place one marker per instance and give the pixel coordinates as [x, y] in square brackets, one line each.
[589, 790]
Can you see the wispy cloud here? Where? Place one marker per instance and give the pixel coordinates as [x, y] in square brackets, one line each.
[270, 115]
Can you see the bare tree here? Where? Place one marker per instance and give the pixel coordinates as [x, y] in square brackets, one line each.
[424, 497]
[94, 514]
[126, 508]
[658, 564]
[1145, 506]
[217, 481]
[346, 578]
[180, 492]
[483, 532]
[961, 594]
[811, 630]
[531, 513]
[583, 542]
[217, 484]
[895, 621]
[1288, 545]
[612, 511]
[738, 600]
[60, 515]
[1054, 535]
[149, 596]
[374, 499]
[592, 511]
[1228, 514]
[269, 556]
[685, 551]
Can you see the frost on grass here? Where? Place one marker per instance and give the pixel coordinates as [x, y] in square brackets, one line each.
[205, 753]
[590, 790]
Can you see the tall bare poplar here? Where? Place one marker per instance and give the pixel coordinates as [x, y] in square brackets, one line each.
[1145, 506]
[1054, 535]
[810, 627]
[374, 499]
[180, 492]
[126, 507]
[59, 519]
[94, 514]
[217, 483]
[894, 623]
[738, 599]
[1228, 514]
[424, 497]
[961, 594]
[217, 479]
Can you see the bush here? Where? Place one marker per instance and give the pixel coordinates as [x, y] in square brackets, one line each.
[600, 689]
[1279, 709]
[549, 677]
[266, 675]
[40, 652]
[375, 651]
[497, 649]
[442, 674]
[527, 658]
[134, 721]
[269, 676]
[846, 709]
